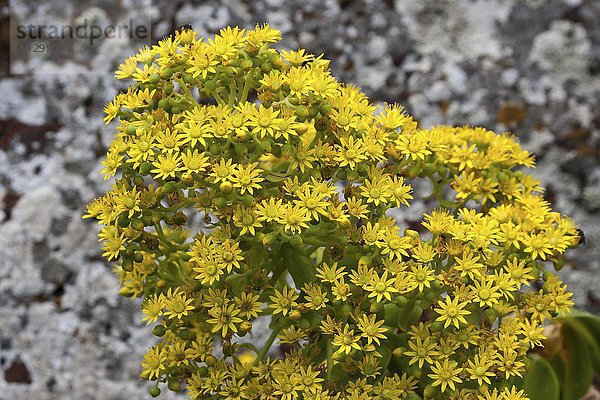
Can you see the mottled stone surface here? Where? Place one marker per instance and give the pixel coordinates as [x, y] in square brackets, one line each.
[531, 67]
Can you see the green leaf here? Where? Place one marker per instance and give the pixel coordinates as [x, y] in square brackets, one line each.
[337, 372]
[578, 366]
[588, 331]
[391, 313]
[409, 314]
[541, 382]
[386, 356]
[300, 267]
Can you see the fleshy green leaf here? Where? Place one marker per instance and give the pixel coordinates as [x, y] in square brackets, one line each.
[300, 267]
[409, 314]
[578, 366]
[541, 382]
[386, 356]
[588, 331]
[391, 313]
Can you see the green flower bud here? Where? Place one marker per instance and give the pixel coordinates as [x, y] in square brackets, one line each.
[137, 224]
[145, 168]
[302, 112]
[123, 220]
[211, 361]
[154, 79]
[226, 187]
[138, 257]
[159, 330]
[325, 109]
[154, 391]
[166, 73]
[170, 187]
[174, 385]
[127, 264]
[220, 202]
[398, 352]
[296, 241]
[247, 200]
[131, 129]
[180, 219]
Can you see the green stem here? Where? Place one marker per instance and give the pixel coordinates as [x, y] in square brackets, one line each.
[232, 93]
[246, 89]
[260, 356]
[218, 98]
[329, 360]
[186, 90]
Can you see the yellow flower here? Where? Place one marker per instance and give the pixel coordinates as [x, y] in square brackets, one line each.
[194, 161]
[284, 302]
[485, 292]
[294, 218]
[479, 369]
[350, 152]
[298, 80]
[154, 362]
[445, 374]
[127, 68]
[469, 266]
[537, 245]
[265, 121]
[152, 307]
[249, 305]
[371, 329]
[166, 166]
[246, 219]
[314, 296]
[422, 276]
[202, 61]
[375, 192]
[381, 286]
[209, 270]
[112, 109]
[421, 351]
[247, 178]
[413, 147]
[270, 210]
[111, 163]
[224, 319]
[223, 171]
[312, 201]
[177, 305]
[452, 312]
[345, 341]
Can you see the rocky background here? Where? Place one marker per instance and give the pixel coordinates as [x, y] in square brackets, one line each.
[531, 67]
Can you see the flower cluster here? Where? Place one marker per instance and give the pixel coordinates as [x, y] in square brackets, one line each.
[251, 185]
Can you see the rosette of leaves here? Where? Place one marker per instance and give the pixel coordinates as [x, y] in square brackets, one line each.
[251, 185]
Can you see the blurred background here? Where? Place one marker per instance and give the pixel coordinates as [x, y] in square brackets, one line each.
[531, 67]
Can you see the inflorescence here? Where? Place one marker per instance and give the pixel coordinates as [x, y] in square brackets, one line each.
[251, 185]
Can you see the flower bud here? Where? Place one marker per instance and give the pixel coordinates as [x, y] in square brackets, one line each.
[159, 330]
[295, 315]
[245, 327]
[174, 385]
[127, 264]
[145, 168]
[398, 352]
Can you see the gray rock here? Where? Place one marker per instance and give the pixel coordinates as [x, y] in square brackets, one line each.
[453, 62]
